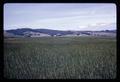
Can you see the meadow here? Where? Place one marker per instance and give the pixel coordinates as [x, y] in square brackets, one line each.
[60, 58]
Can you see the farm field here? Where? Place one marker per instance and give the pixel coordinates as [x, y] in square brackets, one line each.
[60, 58]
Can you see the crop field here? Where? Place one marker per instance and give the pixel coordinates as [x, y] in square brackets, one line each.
[60, 58]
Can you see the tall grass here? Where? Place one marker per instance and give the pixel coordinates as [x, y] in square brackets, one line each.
[60, 58]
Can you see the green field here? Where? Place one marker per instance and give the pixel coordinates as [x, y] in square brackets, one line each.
[60, 58]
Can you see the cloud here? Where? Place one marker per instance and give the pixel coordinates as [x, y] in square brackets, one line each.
[101, 26]
[59, 16]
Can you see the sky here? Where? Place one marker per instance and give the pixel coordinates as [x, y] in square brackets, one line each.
[60, 16]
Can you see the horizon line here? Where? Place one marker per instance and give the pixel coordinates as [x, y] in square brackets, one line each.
[57, 29]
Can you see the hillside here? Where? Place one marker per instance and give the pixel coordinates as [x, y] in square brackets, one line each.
[37, 32]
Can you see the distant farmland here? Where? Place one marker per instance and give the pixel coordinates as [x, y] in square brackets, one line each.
[60, 58]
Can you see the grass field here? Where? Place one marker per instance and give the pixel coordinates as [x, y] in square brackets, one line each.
[60, 58]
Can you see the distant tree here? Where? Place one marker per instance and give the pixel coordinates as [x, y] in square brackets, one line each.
[52, 35]
[107, 30]
[78, 34]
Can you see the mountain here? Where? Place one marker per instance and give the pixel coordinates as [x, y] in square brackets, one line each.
[19, 31]
[48, 32]
[7, 34]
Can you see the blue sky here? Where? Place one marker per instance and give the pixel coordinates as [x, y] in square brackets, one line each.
[60, 16]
